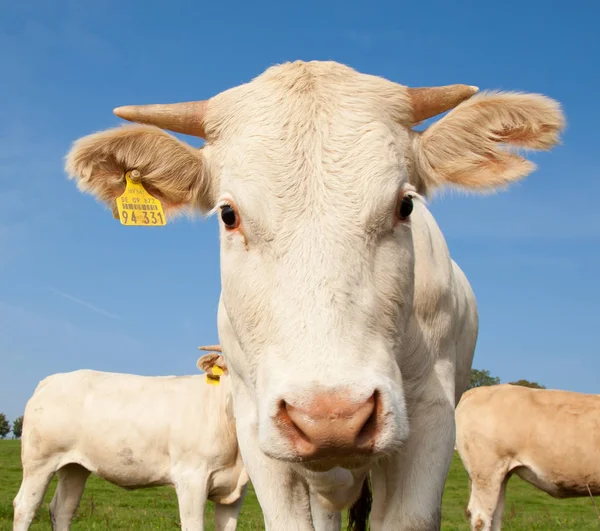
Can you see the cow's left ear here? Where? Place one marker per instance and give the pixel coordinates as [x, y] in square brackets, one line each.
[208, 363]
[471, 146]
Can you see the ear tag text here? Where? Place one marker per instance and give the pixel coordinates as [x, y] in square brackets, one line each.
[137, 207]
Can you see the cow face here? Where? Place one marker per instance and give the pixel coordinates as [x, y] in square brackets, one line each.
[318, 179]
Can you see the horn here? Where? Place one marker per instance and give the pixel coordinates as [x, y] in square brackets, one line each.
[431, 101]
[213, 348]
[186, 118]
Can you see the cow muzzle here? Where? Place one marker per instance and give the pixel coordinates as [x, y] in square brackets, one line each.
[331, 426]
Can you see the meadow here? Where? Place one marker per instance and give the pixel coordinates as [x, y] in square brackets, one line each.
[106, 507]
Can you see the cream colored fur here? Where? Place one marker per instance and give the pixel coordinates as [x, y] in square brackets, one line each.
[471, 147]
[547, 437]
[174, 172]
[134, 431]
[322, 290]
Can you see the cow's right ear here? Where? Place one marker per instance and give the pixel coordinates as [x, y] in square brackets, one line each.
[170, 170]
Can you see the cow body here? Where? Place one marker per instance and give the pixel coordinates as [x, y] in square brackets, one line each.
[134, 431]
[348, 330]
[549, 438]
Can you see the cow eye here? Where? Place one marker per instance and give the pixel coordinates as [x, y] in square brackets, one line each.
[229, 217]
[405, 207]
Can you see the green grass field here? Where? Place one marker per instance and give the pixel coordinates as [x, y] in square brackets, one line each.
[105, 506]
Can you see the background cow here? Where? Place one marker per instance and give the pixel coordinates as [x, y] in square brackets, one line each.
[134, 431]
[549, 438]
[348, 330]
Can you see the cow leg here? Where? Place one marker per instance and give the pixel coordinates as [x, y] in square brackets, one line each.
[484, 500]
[408, 486]
[30, 496]
[488, 477]
[71, 484]
[226, 515]
[324, 520]
[498, 513]
[192, 493]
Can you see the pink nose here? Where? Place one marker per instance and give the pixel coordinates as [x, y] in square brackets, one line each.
[331, 426]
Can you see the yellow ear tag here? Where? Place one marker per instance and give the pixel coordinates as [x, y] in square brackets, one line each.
[213, 380]
[137, 207]
[217, 371]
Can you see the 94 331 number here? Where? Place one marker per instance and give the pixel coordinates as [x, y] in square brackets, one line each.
[141, 217]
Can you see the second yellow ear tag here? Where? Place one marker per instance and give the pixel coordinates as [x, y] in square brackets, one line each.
[217, 371]
[137, 207]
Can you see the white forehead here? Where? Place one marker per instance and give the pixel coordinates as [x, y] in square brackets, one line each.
[315, 132]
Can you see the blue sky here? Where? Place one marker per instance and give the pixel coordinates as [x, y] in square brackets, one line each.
[78, 290]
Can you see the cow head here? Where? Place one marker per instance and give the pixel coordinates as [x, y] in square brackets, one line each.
[318, 179]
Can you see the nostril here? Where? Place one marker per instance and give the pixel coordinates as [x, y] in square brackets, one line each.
[285, 420]
[370, 427]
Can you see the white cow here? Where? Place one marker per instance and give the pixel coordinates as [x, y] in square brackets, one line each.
[347, 328]
[134, 431]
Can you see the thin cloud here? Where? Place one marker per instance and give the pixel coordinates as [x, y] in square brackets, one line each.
[86, 304]
[361, 38]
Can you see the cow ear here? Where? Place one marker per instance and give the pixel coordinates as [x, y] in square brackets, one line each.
[208, 362]
[473, 146]
[170, 170]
